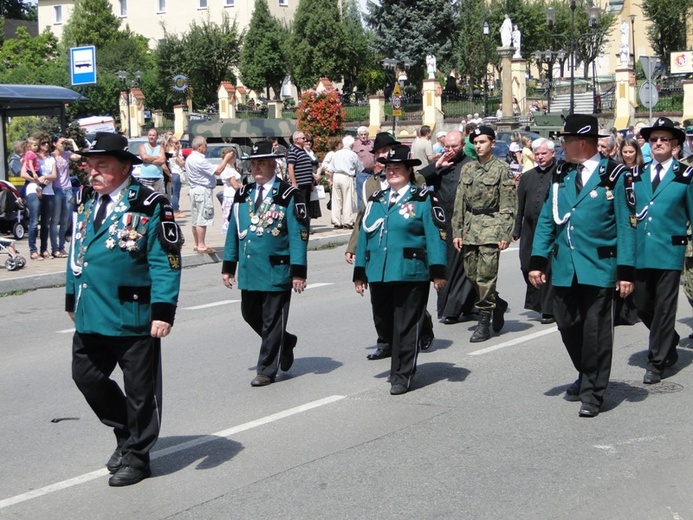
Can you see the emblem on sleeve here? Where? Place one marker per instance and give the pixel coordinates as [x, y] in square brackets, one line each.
[439, 214]
[300, 210]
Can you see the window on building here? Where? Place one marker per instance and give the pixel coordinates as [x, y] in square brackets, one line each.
[202, 4]
[284, 3]
[161, 6]
[229, 3]
[57, 14]
[123, 4]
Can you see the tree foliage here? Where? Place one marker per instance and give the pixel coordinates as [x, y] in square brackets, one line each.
[32, 51]
[92, 23]
[18, 10]
[409, 30]
[206, 54]
[358, 54]
[317, 43]
[668, 26]
[262, 61]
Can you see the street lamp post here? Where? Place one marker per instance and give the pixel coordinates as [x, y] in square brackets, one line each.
[632, 28]
[123, 77]
[572, 56]
[486, 30]
[593, 23]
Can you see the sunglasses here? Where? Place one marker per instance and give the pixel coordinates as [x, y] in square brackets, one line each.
[45, 142]
[663, 139]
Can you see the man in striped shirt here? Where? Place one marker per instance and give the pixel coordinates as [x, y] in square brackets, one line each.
[299, 167]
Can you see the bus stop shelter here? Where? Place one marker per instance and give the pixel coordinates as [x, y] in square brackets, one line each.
[32, 100]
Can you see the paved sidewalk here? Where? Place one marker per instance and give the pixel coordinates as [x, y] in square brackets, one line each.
[51, 273]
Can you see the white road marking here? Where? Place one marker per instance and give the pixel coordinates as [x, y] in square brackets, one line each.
[58, 486]
[516, 341]
[65, 331]
[316, 285]
[208, 305]
[611, 448]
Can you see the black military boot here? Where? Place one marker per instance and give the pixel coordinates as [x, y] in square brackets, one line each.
[482, 331]
[498, 312]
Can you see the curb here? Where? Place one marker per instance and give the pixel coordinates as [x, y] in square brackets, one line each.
[57, 279]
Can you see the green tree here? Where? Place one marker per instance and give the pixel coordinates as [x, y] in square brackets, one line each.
[206, 54]
[668, 26]
[262, 62]
[18, 10]
[317, 43]
[92, 23]
[474, 49]
[409, 30]
[32, 51]
[358, 56]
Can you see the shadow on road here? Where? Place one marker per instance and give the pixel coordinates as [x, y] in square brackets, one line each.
[210, 453]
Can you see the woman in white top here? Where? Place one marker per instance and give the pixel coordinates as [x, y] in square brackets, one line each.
[176, 165]
[231, 180]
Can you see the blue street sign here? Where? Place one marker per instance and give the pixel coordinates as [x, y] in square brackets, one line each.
[83, 65]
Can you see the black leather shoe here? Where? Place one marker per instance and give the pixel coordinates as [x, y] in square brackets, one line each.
[261, 380]
[448, 320]
[651, 378]
[398, 389]
[380, 353]
[427, 342]
[287, 355]
[115, 462]
[129, 475]
[546, 319]
[588, 410]
[498, 312]
[573, 391]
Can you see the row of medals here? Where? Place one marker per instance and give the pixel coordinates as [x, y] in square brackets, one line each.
[266, 217]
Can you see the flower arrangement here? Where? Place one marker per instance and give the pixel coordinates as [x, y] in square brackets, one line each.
[321, 114]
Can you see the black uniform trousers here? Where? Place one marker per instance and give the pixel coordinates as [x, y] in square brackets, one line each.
[656, 297]
[401, 307]
[383, 324]
[267, 312]
[539, 300]
[584, 315]
[135, 415]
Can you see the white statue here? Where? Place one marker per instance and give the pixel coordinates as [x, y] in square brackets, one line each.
[431, 66]
[517, 42]
[506, 31]
[624, 48]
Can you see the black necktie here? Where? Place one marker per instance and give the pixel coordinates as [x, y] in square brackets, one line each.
[655, 181]
[578, 178]
[258, 199]
[103, 211]
[393, 199]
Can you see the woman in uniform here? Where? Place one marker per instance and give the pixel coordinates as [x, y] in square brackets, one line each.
[401, 247]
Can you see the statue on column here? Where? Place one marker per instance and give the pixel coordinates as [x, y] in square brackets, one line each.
[624, 48]
[517, 42]
[431, 66]
[506, 31]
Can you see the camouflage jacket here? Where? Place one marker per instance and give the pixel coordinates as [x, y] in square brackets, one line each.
[485, 204]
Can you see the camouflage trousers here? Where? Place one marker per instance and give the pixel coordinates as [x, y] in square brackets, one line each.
[481, 268]
[688, 278]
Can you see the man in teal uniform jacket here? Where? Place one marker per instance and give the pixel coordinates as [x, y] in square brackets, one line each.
[661, 196]
[267, 242]
[584, 227]
[123, 278]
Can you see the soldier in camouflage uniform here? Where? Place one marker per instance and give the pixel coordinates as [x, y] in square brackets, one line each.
[482, 224]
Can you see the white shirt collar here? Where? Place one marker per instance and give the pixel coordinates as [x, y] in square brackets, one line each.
[665, 168]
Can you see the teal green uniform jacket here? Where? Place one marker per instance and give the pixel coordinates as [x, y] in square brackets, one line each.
[589, 235]
[270, 248]
[127, 274]
[661, 217]
[404, 243]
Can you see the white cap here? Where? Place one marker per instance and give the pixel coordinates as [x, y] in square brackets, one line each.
[440, 134]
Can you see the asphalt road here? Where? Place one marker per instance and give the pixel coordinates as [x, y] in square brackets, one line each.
[485, 433]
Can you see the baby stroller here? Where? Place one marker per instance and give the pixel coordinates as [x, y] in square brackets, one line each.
[15, 261]
[13, 212]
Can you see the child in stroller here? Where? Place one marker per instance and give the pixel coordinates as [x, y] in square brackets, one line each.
[13, 212]
[15, 260]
